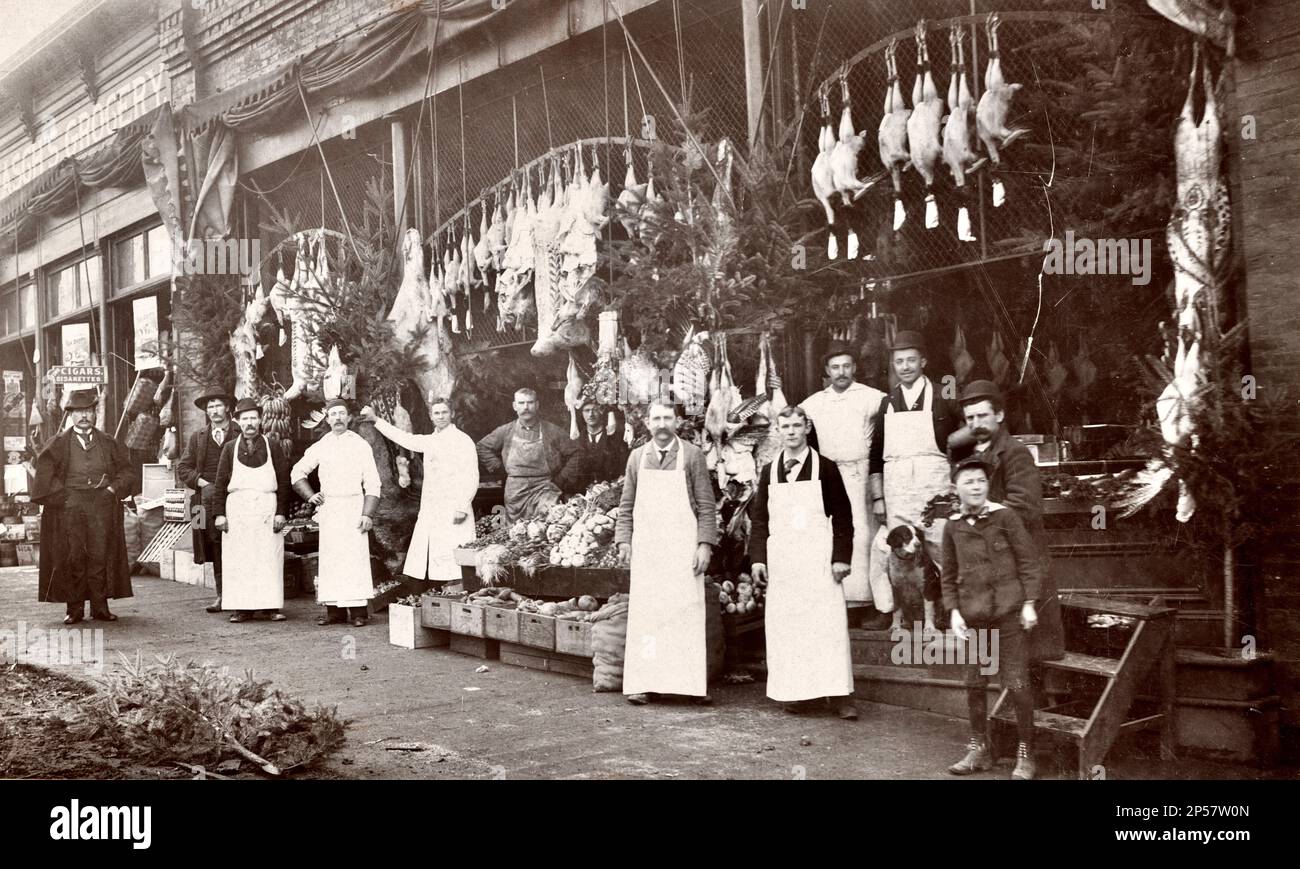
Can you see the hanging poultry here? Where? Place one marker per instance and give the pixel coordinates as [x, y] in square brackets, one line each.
[1085, 372]
[724, 394]
[630, 198]
[823, 176]
[959, 129]
[995, 105]
[999, 364]
[573, 394]
[845, 154]
[962, 361]
[923, 127]
[412, 310]
[691, 372]
[894, 153]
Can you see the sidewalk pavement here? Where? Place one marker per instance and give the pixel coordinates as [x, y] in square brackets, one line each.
[509, 722]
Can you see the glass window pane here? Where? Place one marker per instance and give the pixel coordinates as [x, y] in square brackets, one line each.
[160, 252]
[9, 320]
[61, 291]
[27, 306]
[90, 277]
[129, 255]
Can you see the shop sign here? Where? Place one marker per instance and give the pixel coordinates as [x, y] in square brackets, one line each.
[81, 374]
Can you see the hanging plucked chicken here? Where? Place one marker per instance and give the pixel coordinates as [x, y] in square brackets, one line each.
[923, 127]
[994, 106]
[823, 176]
[894, 153]
[847, 151]
[959, 131]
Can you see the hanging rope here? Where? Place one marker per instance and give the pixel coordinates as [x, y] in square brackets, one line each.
[546, 104]
[410, 169]
[514, 120]
[677, 35]
[636, 79]
[325, 163]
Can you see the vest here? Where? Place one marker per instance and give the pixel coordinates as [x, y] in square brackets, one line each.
[86, 468]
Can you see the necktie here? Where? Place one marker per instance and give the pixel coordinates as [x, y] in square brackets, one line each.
[663, 458]
[789, 466]
[85, 442]
[219, 435]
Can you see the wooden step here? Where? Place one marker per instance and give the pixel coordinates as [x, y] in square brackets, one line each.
[1093, 665]
[1052, 722]
[1112, 605]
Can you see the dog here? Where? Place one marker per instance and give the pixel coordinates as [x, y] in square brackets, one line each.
[914, 578]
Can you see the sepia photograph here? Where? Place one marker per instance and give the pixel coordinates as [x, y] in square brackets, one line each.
[445, 390]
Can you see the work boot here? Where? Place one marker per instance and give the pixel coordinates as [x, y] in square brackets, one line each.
[1025, 766]
[977, 758]
[844, 708]
[215, 606]
[637, 699]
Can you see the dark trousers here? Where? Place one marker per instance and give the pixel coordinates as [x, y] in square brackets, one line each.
[1013, 674]
[88, 516]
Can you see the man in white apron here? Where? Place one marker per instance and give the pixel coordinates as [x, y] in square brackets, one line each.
[250, 505]
[801, 542]
[348, 497]
[843, 416]
[667, 527]
[446, 519]
[909, 463]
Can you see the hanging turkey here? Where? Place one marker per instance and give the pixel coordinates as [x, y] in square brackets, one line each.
[923, 127]
[960, 128]
[994, 106]
[845, 154]
[894, 153]
[823, 176]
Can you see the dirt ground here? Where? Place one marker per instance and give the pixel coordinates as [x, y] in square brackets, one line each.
[429, 713]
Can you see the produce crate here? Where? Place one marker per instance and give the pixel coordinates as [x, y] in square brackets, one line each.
[552, 662]
[465, 557]
[573, 638]
[537, 631]
[501, 624]
[435, 612]
[467, 620]
[405, 630]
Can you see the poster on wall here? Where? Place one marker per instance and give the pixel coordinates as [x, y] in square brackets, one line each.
[144, 316]
[15, 404]
[76, 344]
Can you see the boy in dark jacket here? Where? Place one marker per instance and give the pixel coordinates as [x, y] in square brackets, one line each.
[991, 581]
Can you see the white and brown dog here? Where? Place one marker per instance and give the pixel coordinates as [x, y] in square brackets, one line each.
[914, 578]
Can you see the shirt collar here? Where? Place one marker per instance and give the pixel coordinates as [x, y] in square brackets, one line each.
[801, 457]
[913, 392]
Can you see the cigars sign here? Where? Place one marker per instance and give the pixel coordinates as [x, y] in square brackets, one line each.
[58, 138]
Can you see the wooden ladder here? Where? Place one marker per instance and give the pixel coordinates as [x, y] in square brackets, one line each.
[1093, 726]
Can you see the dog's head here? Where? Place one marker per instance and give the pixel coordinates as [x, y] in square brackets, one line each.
[906, 542]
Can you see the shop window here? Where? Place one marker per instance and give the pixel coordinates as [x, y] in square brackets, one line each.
[128, 254]
[159, 249]
[90, 279]
[145, 256]
[9, 312]
[73, 288]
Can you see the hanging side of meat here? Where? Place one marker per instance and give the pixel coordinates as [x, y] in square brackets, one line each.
[959, 131]
[923, 127]
[962, 361]
[306, 310]
[496, 235]
[894, 153]
[823, 177]
[517, 264]
[483, 248]
[413, 308]
[845, 154]
[573, 394]
[243, 347]
[995, 102]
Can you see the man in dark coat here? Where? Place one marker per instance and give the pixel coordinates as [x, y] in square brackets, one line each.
[1014, 482]
[601, 456]
[81, 476]
[198, 471]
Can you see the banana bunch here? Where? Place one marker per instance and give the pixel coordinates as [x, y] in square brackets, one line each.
[276, 422]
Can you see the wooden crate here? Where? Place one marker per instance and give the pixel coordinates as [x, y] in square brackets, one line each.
[477, 647]
[467, 619]
[573, 638]
[537, 631]
[405, 630]
[538, 659]
[501, 624]
[435, 612]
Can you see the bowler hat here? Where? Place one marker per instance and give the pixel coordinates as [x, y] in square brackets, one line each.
[838, 350]
[908, 340]
[202, 401]
[246, 404]
[979, 390]
[974, 460]
[338, 402]
[82, 399]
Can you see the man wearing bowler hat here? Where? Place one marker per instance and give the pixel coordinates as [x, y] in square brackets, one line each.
[81, 477]
[844, 421]
[915, 427]
[198, 471]
[1014, 482]
[250, 505]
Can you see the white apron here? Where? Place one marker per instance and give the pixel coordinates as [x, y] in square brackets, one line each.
[665, 651]
[344, 572]
[807, 629]
[253, 557]
[915, 471]
[429, 553]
